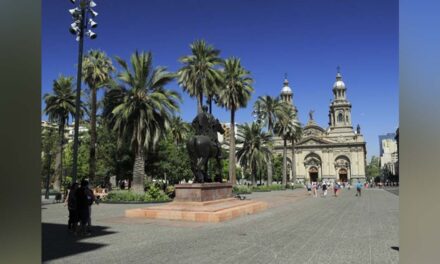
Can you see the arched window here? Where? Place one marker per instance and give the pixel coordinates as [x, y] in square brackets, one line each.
[346, 118]
[340, 118]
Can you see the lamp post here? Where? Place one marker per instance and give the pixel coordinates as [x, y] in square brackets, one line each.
[80, 24]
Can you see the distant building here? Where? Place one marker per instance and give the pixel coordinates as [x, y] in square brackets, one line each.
[389, 155]
[337, 153]
[382, 137]
[68, 130]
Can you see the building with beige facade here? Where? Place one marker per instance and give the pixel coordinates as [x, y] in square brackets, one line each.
[335, 153]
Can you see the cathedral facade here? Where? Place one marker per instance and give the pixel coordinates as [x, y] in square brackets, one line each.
[336, 153]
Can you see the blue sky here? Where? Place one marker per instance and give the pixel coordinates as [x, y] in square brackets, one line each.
[305, 39]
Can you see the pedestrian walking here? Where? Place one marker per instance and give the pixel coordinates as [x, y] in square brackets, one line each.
[82, 207]
[309, 188]
[90, 200]
[358, 188]
[314, 191]
[324, 189]
[337, 188]
[72, 207]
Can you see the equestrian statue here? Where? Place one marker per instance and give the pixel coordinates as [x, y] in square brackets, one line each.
[204, 145]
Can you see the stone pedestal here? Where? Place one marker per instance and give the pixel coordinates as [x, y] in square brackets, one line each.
[202, 192]
[201, 202]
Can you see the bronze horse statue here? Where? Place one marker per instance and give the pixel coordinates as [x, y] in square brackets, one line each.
[201, 148]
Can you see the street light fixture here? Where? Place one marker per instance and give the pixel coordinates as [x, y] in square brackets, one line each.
[79, 14]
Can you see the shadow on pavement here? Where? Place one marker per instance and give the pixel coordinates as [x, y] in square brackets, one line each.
[58, 242]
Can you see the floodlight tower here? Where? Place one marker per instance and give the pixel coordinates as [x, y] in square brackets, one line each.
[80, 13]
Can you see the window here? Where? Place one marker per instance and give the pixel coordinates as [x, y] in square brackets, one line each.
[340, 118]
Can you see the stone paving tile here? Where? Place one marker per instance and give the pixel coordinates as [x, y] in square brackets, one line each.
[295, 229]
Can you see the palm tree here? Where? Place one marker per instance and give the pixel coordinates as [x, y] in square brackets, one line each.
[285, 127]
[199, 74]
[97, 69]
[253, 147]
[235, 94]
[146, 109]
[269, 109]
[179, 130]
[59, 106]
[294, 135]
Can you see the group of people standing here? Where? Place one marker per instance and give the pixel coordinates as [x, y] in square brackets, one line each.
[314, 187]
[79, 202]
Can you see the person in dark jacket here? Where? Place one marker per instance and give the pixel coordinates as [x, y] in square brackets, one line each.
[83, 206]
[72, 206]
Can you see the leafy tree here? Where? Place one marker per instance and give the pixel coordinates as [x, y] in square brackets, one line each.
[268, 109]
[295, 136]
[49, 146]
[373, 168]
[235, 94]
[199, 74]
[83, 156]
[59, 106]
[146, 109]
[179, 130]
[97, 69]
[285, 127]
[277, 167]
[253, 150]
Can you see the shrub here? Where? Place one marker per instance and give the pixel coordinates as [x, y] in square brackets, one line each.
[298, 186]
[170, 191]
[261, 188]
[241, 189]
[153, 195]
[277, 187]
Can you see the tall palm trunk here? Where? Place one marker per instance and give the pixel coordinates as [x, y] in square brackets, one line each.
[285, 162]
[92, 150]
[293, 162]
[59, 159]
[269, 165]
[200, 103]
[254, 183]
[232, 176]
[210, 104]
[138, 171]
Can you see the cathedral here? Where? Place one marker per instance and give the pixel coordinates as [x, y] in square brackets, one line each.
[337, 153]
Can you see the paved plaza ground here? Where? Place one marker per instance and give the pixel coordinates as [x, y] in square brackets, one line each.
[296, 228]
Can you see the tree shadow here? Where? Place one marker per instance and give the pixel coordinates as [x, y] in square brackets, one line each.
[58, 242]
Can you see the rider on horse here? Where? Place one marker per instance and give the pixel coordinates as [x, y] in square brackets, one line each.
[204, 124]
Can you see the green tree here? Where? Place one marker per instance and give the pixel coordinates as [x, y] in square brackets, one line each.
[83, 156]
[268, 109]
[179, 130]
[294, 136]
[199, 74]
[235, 94]
[146, 110]
[170, 162]
[49, 146]
[253, 150]
[373, 168]
[278, 167]
[286, 126]
[97, 69]
[59, 106]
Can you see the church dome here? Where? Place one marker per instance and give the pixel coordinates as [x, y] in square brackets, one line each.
[286, 89]
[339, 84]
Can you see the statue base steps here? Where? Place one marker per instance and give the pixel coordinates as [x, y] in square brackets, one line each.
[213, 211]
[202, 192]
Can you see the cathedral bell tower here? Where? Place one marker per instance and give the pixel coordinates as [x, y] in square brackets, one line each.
[340, 107]
[287, 94]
